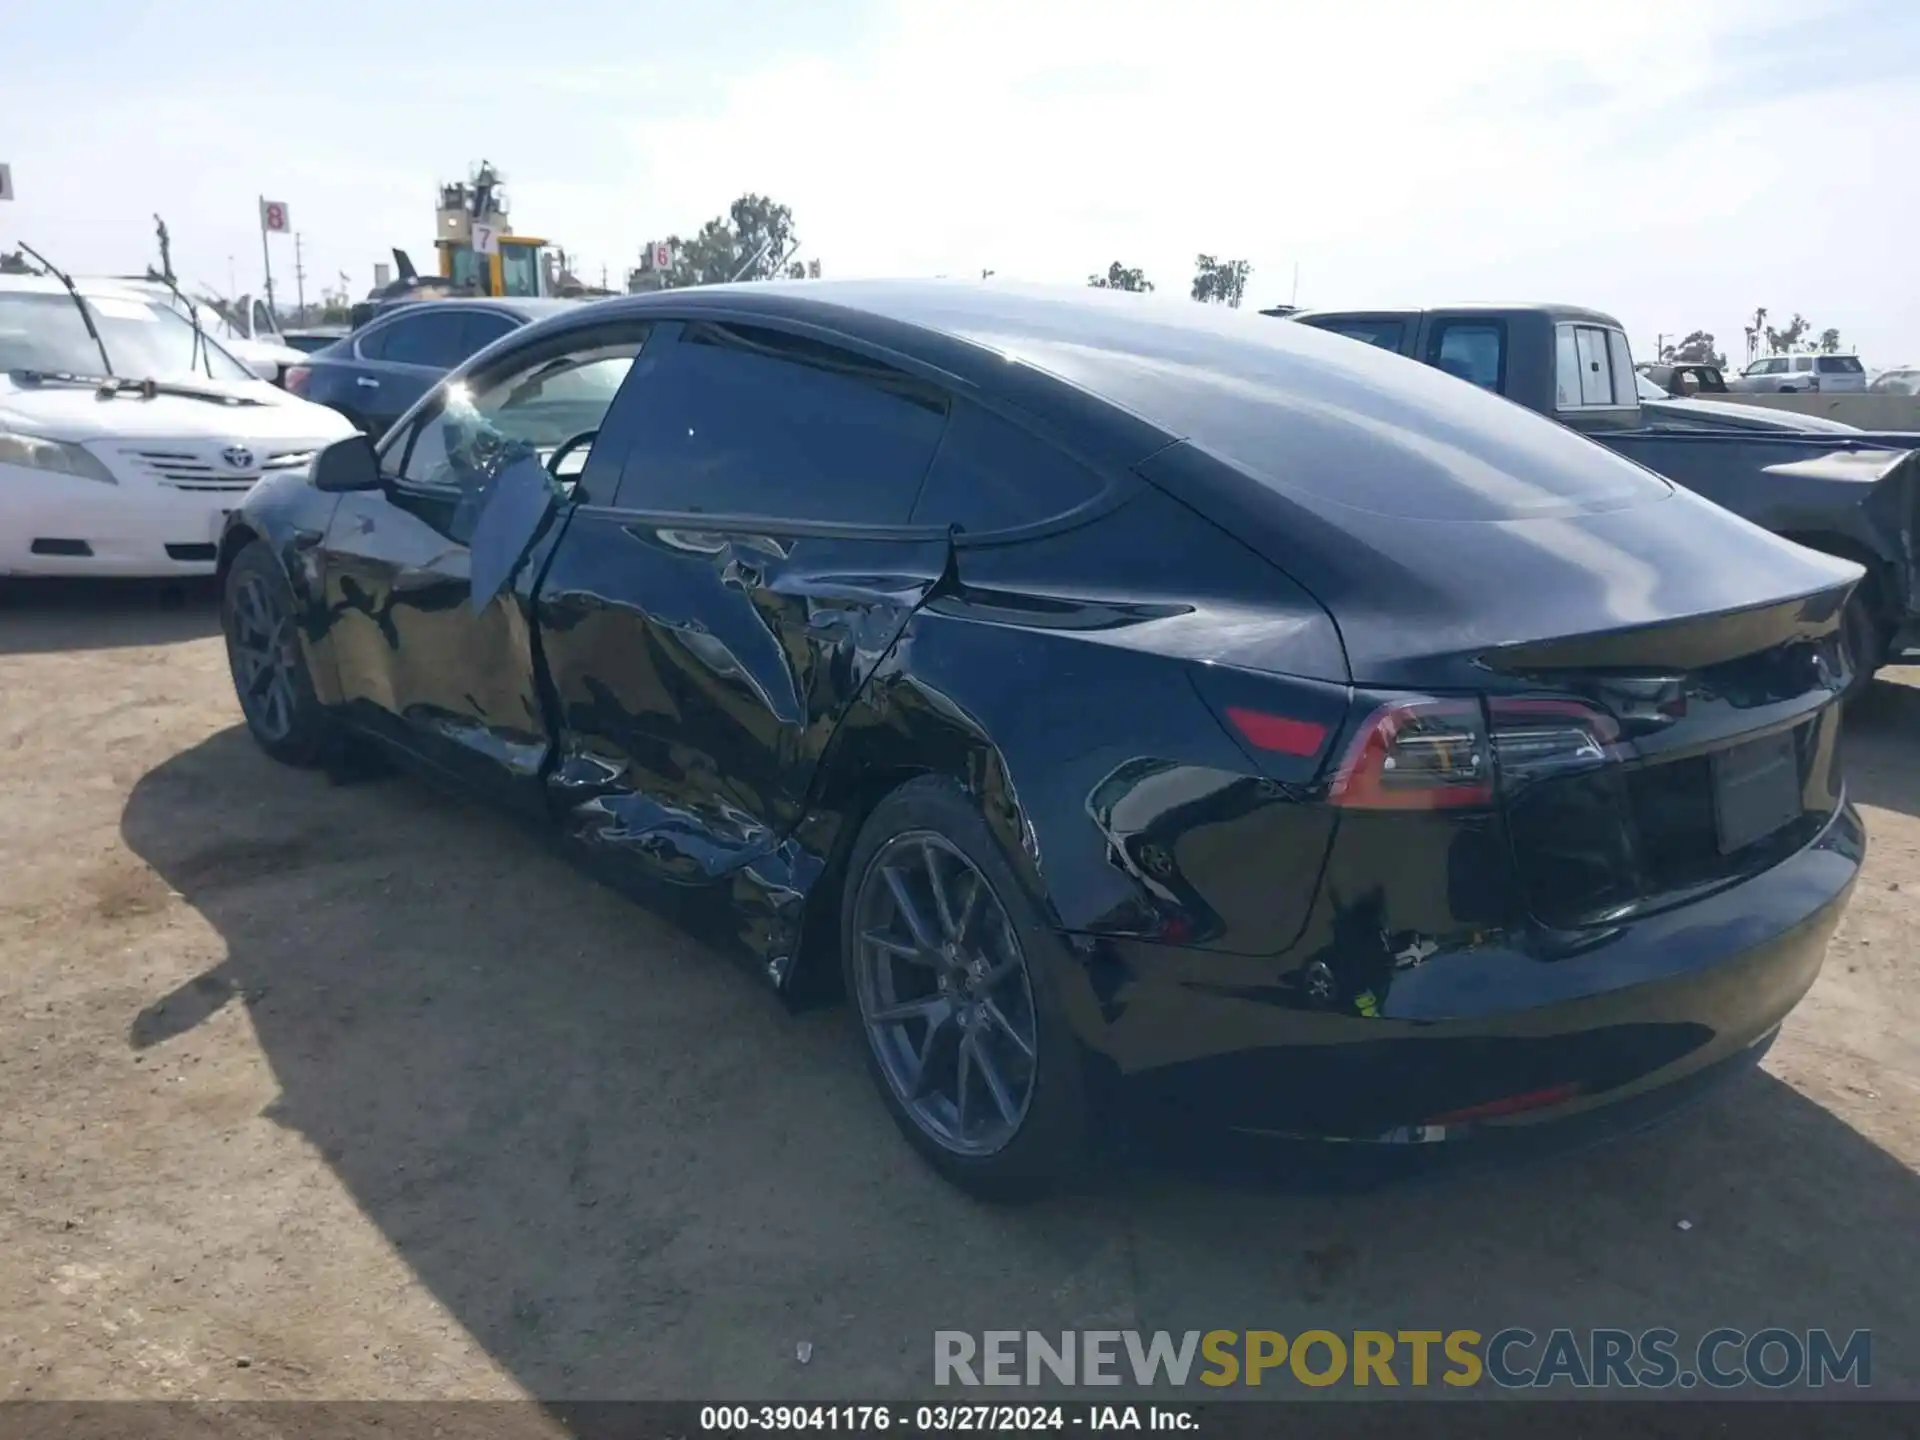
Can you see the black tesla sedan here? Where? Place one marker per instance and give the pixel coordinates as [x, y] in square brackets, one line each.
[1116, 695]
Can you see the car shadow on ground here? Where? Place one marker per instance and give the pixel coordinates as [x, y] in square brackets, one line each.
[39, 617]
[626, 1170]
[1882, 741]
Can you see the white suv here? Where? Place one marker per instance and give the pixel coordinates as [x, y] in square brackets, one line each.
[1788, 374]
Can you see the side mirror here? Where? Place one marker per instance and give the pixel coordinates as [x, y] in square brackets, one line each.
[347, 465]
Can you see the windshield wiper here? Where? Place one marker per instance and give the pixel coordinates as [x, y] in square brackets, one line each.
[86, 315]
[202, 350]
[58, 377]
[148, 388]
[108, 386]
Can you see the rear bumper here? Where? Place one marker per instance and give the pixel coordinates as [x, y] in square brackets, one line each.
[1628, 1024]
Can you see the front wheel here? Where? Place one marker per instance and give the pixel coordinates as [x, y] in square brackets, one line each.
[269, 668]
[954, 982]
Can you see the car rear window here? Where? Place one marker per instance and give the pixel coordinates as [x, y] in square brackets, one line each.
[1838, 365]
[1471, 350]
[1386, 334]
[1349, 425]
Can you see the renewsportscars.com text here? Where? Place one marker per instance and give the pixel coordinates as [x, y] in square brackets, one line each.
[1512, 1358]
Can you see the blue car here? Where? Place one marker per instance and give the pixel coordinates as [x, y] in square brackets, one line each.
[373, 375]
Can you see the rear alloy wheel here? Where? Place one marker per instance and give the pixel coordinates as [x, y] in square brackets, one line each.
[945, 995]
[952, 985]
[269, 669]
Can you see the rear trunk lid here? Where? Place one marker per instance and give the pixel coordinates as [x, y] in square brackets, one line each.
[1427, 591]
[1707, 751]
[1655, 681]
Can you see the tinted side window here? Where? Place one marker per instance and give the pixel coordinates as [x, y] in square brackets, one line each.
[479, 432]
[1566, 366]
[1596, 365]
[483, 327]
[373, 344]
[1383, 333]
[549, 400]
[1471, 350]
[992, 475]
[432, 338]
[1624, 392]
[1838, 365]
[739, 420]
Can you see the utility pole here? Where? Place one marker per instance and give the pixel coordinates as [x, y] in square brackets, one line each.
[299, 280]
[232, 288]
[1660, 346]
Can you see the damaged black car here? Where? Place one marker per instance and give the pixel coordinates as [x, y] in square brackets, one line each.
[1115, 697]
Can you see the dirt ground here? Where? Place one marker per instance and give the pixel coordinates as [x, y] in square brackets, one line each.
[315, 1090]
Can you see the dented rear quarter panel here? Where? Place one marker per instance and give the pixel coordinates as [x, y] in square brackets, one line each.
[1068, 709]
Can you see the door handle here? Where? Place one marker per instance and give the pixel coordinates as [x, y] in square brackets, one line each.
[743, 573]
[365, 383]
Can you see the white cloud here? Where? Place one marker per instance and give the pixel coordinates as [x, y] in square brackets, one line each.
[1497, 149]
[1676, 164]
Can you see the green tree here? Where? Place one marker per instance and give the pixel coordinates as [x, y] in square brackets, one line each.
[1781, 341]
[1220, 282]
[1119, 277]
[749, 242]
[1695, 349]
[1796, 331]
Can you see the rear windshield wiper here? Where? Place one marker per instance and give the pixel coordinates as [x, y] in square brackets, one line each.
[86, 315]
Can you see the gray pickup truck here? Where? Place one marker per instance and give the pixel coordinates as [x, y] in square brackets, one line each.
[1845, 492]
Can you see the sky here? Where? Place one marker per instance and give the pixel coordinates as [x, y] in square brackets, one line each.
[1676, 164]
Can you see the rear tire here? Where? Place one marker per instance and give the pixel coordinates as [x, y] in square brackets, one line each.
[963, 983]
[1866, 637]
[269, 667]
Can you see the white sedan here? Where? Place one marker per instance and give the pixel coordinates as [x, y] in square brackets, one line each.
[125, 441]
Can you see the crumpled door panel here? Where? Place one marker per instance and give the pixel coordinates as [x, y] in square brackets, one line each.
[698, 677]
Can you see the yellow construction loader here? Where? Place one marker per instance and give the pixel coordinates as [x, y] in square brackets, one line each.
[479, 252]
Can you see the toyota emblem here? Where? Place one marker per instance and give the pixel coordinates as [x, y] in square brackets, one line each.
[238, 457]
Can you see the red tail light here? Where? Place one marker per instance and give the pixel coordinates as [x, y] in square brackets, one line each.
[1433, 754]
[294, 377]
[1417, 755]
[1534, 738]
